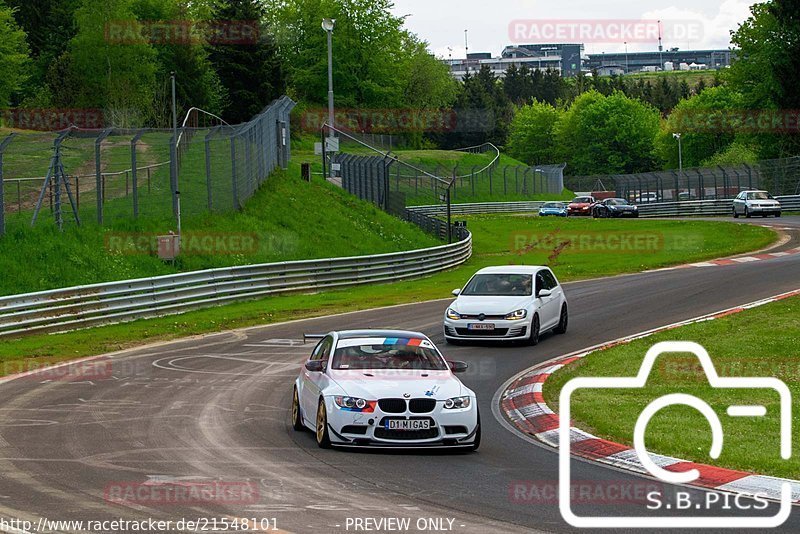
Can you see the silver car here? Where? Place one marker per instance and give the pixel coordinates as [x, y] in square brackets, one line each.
[749, 203]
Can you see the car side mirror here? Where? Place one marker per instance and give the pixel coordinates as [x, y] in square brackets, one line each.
[457, 366]
[544, 293]
[456, 292]
[315, 366]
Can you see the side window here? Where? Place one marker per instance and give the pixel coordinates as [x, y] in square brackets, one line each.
[549, 279]
[323, 349]
[540, 282]
[326, 348]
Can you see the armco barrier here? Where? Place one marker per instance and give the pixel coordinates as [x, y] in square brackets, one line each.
[78, 307]
[686, 208]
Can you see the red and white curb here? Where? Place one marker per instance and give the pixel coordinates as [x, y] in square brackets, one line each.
[525, 407]
[732, 261]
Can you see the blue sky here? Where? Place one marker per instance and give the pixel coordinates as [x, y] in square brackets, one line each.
[442, 22]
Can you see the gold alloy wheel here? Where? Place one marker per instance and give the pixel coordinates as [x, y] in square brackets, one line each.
[321, 422]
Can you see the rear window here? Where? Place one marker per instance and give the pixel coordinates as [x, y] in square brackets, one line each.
[413, 354]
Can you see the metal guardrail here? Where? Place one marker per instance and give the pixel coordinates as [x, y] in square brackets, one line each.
[71, 308]
[477, 208]
[686, 208]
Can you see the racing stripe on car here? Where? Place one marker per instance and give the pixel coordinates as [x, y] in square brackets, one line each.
[525, 407]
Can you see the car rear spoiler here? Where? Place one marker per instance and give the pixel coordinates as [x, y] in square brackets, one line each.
[306, 337]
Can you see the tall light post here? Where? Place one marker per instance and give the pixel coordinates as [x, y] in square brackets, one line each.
[466, 49]
[680, 154]
[627, 67]
[327, 25]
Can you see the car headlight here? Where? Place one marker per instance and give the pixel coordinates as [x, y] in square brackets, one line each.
[516, 315]
[457, 403]
[452, 314]
[635, 208]
[353, 404]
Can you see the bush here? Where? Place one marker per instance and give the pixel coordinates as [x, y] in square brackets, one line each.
[532, 137]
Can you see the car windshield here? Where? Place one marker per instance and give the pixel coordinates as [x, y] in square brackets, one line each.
[617, 202]
[387, 353]
[499, 285]
[554, 205]
[582, 200]
[759, 195]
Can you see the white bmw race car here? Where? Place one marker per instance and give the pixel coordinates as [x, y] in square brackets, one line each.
[384, 388]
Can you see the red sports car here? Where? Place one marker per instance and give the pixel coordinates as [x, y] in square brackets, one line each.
[580, 206]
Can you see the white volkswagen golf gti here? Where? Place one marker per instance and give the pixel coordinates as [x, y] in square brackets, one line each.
[384, 388]
[514, 303]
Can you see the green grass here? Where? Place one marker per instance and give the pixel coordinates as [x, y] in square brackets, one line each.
[758, 342]
[494, 244]
[30, 153]
[289, 220]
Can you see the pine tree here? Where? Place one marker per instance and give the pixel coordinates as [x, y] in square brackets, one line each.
[251, 72]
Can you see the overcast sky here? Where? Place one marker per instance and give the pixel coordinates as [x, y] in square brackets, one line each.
[442, 22]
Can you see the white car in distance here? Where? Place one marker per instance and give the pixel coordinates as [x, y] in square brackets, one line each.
[511, 303]
[749, 203]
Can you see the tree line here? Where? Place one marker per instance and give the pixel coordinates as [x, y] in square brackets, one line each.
[748, 113]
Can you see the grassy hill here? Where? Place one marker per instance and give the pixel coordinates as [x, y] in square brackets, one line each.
[287, 219]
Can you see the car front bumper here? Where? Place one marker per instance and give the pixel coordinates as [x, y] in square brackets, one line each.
[503, 330]
[579, 211]
[448, 428]
[763, 210]
[552, 213]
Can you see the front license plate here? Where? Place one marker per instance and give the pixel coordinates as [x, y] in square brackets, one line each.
[407, 424]
[481, 326]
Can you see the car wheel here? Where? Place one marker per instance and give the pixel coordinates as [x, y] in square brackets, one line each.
[297, 418]
[533, 337]
[323, 439]
[778, 214]
[747, 212]
[735, 214]
[563, 321]
[477, 442]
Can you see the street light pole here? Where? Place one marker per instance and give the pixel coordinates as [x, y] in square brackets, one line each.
[680, 154]
[627, 66]
[176, 192]
[327, 25]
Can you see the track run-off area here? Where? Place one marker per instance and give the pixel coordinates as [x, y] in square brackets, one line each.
[213, 411]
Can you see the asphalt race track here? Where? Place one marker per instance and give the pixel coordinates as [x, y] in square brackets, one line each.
[217, 409]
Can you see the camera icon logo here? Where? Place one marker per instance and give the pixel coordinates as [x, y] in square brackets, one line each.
[639, 381]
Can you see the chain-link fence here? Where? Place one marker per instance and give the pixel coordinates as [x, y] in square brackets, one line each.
[115, 176]
[778, 176]
[394, 183]
[409, 174]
